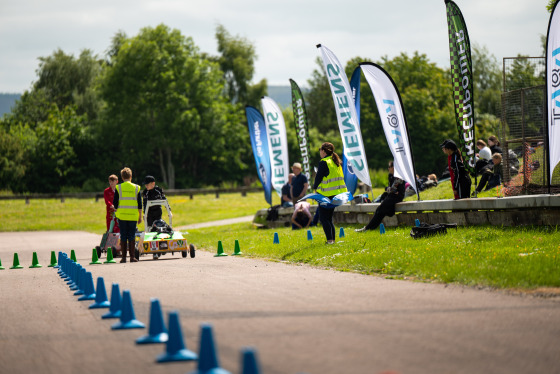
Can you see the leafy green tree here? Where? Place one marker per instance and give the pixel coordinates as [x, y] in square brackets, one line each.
[16, 142]
[69, 81]
[237, 61]
[165, 108]
[487, 78]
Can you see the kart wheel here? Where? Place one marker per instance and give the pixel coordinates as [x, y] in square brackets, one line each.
[184, 254]
[192, 250]
[98, 250]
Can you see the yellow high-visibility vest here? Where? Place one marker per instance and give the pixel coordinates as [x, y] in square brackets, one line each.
[332, 184]
[128, 201]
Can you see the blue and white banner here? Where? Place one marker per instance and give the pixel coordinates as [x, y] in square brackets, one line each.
[277, 143]
[340, 199]
[257, 132]
[392, 116]
[553, 89]
[348, 124]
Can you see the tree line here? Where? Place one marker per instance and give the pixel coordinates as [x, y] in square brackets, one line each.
[156, 103]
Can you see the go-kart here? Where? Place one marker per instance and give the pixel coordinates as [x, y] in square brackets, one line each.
[160, 238]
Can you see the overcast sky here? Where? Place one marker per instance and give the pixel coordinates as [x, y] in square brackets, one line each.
[285, 33]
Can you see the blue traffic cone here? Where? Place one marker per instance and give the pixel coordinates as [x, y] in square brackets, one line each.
[309, 235]
[58, 262]
[89, 290]
[207, 354]
[115, 307]
[73, 280]
[128, 319]
[417, 222]
[81, 281]
[276, 239]
[67, 268]
[249, 364]
[175, 349]
[62, 264]
[341, 233]
[157, 333]
[381, 228]
[70, 277]
[101, 300]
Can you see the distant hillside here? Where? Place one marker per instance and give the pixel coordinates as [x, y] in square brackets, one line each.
[7, 101]
[281, 94]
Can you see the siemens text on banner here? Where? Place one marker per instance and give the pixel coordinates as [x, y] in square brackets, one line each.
[553, 89]
[257, 132]
[348, 123]
[462, 81]
[277, 143]
[392, 116]
[302, 129]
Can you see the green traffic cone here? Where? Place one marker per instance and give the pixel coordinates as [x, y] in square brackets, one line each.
[1, 267]
[35, 262]
[237, 250]
[94, 258]
[220, 250]
[73, 256]
[109, 256]
[16, 262]
[53, 260]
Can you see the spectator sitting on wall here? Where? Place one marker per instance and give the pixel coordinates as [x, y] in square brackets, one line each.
[491, 174]
[484, 155]
[300, 184]
[286, 192]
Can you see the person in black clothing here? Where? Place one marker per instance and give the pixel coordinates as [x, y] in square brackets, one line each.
[460, 179]
[395, 194]
[494, 144]
[152, 192]
[491, 174]
[286, 192]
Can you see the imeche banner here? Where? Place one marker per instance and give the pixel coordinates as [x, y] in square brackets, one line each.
[302, 129]
[277, 143]
[462, 81]
[348, 124]
[553, 89]
[257, 132]
[392, 116]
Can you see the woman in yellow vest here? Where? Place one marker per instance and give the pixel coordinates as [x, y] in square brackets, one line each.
[329, 182]
[128, 203]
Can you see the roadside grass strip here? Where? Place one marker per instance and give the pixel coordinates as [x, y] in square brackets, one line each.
[514, 258]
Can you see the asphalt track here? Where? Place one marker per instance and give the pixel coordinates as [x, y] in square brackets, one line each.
[299, 319]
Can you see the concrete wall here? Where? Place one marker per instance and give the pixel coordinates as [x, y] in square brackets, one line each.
[539, 210]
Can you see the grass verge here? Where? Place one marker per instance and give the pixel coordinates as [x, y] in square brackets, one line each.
[514, 258]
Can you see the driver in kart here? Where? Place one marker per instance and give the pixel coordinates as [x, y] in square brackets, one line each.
[152, 192]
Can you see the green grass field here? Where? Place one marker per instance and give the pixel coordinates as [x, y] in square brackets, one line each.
[514, 258]
[519, 258]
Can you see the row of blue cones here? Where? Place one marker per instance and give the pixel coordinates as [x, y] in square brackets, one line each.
[81, 281]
